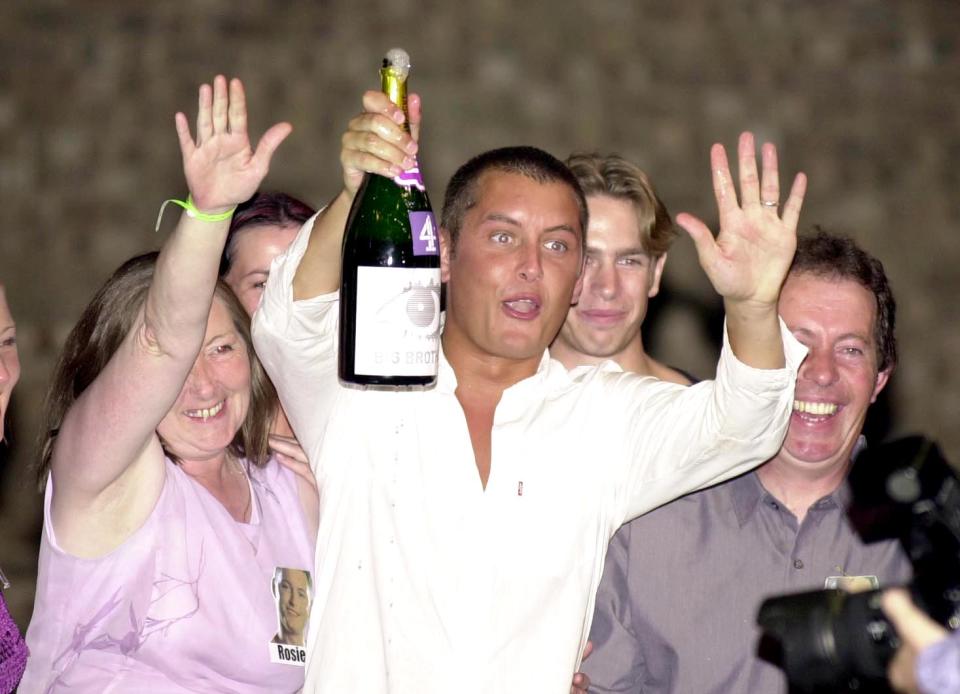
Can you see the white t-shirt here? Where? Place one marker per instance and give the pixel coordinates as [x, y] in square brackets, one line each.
[426, 582]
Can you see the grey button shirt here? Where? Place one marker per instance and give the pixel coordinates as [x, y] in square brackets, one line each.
[677, 605]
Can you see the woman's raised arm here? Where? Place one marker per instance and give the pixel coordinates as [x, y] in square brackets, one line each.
[107, 461]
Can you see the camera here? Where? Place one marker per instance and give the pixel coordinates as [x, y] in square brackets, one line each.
[833, 641]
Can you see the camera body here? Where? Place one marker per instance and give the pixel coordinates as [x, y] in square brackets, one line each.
[830, 640]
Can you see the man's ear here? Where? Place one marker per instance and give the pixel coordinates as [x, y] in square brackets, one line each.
[581, 273]
[882, 378]
[657, 272]
[444, 255]
[577, 288]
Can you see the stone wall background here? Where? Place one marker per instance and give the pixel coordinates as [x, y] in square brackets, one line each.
[863, 95]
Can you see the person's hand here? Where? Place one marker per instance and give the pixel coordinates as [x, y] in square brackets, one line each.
[916, 631]
[749, 259]
[581, 683]
[220, 167]
[288, 453]
[377, 142]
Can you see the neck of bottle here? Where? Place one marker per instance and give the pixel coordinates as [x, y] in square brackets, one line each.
[394, 86]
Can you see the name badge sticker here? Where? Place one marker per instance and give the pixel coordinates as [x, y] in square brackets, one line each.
[852, 584]
[293, 596]
[282, 654]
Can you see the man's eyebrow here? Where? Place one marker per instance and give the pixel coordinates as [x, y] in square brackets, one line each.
[563, 227]
[507, 219]
[636, 250]
[857, 336]
[499, 217]
[866, 339]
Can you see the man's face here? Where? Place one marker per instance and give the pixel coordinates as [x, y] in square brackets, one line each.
[838, 380]
[618, 280]
[293, 602]
[515, 269]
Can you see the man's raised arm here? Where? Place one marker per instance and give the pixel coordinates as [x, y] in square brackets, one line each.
[748, 261]
[295, 327]
[712, 431]
[375, 141]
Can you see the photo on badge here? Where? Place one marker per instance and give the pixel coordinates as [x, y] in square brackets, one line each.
[293, 593]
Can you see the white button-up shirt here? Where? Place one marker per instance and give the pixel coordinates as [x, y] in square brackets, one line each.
[427, 582]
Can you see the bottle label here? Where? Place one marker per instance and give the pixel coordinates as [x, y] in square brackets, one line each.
[411, 177]
[423, 229]
[398, 321]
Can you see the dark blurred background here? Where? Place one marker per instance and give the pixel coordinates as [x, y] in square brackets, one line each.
[863, 95]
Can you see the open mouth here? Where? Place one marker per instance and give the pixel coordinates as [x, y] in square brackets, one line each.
[206, 413]
[814, 411]
[526, 308]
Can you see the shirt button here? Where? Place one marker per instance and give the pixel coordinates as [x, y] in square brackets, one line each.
[798, 563]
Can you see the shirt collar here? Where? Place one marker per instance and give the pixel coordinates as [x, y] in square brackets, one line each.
[547, 370]
[446, 377]
[745, 494]
[746, 491]
[516, 401]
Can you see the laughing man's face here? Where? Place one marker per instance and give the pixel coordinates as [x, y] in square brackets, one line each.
[838, 380]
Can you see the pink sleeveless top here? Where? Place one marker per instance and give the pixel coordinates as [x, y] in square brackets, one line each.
[192, 601]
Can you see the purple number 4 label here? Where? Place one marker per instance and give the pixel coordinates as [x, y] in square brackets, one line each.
[424, 231]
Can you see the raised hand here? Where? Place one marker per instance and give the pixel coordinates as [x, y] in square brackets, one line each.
[376, 140]
[220, 167]
[749, 259]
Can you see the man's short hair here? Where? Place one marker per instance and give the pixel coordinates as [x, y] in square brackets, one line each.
[615, 177]
[831, 256]
[534, 163]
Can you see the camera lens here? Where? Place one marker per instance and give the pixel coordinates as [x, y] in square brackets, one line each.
[829, 637]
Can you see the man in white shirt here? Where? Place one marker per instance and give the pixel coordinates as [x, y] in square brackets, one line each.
[463, 528]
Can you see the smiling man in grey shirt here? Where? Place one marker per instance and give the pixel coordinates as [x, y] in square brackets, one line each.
[678, 600]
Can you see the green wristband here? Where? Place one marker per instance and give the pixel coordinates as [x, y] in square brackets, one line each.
[192, 211]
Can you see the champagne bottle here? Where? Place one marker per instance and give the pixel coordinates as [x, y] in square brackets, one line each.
[390, 278]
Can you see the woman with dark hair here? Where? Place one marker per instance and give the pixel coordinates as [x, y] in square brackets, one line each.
[164, 516]
[261, 229]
